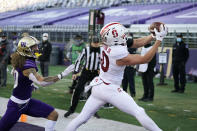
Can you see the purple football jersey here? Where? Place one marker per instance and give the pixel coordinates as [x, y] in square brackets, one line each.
[23, 85]
[22, 92]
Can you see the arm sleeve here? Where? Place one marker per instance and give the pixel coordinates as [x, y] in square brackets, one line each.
[68, 54]
[68, 50]
[79, 61]
[43, 83]
[35, 86]
[129, 42]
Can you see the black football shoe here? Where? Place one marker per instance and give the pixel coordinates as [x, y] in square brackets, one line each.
[68, 113]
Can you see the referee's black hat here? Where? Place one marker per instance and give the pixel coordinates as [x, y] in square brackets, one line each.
[95, 39]
[78, 36]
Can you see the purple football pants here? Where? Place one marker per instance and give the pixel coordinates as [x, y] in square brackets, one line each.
[33, 108]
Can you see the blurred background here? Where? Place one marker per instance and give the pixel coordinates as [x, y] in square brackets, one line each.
[73, 22]
[63, 19]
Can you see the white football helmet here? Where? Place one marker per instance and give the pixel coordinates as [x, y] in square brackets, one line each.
[114, 33]
[25, 44]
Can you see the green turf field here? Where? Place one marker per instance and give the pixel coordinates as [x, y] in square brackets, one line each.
[172, 112]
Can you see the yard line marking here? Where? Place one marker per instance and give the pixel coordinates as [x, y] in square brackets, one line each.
[187, 110]
[55, 89]
[178, 129]
[150, 104]
[168, 107]
[193, 118]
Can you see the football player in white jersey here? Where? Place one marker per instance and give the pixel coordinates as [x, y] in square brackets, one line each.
[106, 87]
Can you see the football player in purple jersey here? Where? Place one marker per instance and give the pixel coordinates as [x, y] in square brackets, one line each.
[26, 74]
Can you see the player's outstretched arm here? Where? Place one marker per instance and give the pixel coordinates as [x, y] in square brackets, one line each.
[44, 81]
[137, 59]
[147, 39]
[142, 41]
[133, 59]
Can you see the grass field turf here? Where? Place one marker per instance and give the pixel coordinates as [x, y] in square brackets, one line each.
[171, 111]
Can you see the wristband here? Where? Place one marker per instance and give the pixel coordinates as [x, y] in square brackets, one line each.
[129, 42]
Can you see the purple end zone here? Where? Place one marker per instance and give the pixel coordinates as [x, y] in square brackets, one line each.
[20, 126]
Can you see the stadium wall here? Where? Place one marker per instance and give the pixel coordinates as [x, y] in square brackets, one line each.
[191, 65]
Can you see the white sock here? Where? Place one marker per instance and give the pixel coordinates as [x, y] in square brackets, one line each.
[50, 125]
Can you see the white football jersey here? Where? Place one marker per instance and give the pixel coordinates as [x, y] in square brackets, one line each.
[110, 72]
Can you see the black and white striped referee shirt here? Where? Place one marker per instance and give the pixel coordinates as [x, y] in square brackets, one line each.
[91, 57]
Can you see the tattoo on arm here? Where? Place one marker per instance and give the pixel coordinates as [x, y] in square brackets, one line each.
[51, 79]
[29, 71]
[39, 77]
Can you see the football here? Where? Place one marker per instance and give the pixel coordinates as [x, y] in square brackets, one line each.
[154, 25]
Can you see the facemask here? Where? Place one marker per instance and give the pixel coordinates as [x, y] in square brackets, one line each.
[44, 38]
[178, 39]
[34, 51]
[77, 42]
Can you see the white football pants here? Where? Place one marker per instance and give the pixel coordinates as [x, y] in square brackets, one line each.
[114, 95]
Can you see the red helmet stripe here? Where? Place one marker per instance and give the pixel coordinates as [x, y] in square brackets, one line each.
[108, 26]
[111, 24]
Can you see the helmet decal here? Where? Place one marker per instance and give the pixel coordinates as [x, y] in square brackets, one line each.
[113, 34]
[25, 44]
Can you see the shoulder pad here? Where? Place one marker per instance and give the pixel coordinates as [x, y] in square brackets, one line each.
[30, 64]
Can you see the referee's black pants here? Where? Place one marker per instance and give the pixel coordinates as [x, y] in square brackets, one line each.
[86, 76]
[129, 78]
[148, 84]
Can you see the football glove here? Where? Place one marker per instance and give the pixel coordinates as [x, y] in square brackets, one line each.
[68, 70]
[160, 35]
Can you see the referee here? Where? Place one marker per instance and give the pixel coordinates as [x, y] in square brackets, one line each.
[91, 57]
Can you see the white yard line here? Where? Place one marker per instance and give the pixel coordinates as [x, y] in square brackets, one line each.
[93, 124]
